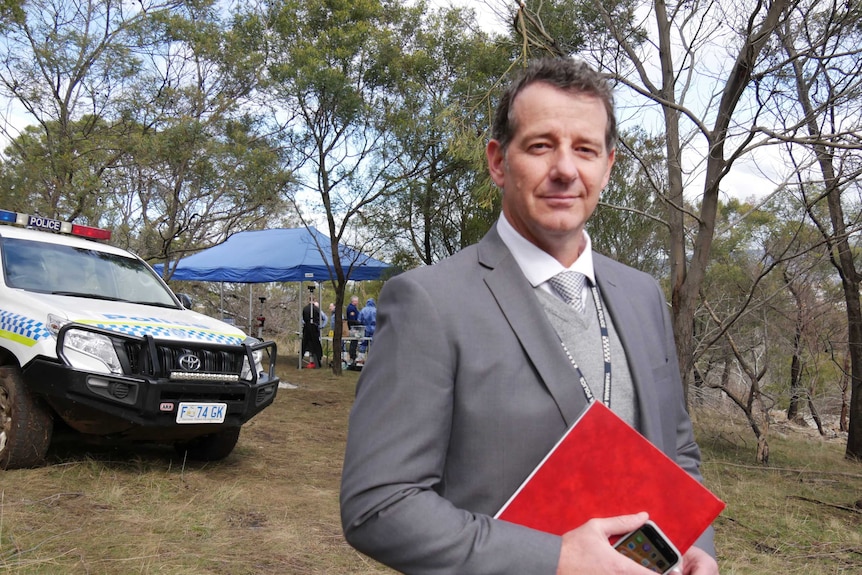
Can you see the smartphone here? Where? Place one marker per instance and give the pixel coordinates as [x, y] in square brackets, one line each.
[650, 548]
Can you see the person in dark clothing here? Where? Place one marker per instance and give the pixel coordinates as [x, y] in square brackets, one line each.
[312, 319]
[352, 317]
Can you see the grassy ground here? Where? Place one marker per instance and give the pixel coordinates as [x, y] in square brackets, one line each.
[272, 506]
[800, 515]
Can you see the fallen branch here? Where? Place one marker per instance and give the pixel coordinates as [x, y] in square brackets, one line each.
[787, 470]
[836, 506]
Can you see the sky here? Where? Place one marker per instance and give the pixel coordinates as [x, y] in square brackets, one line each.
[485, 11]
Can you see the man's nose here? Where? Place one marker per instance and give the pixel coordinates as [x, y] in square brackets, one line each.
[565, 165]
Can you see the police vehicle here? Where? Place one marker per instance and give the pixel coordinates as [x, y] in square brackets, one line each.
[92, 338]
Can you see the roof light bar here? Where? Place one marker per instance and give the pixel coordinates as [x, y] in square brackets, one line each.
[43, 223]
[9, 217]
[90, 232]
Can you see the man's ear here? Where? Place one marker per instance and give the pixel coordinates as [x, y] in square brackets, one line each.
[496, 159]
[612, 156]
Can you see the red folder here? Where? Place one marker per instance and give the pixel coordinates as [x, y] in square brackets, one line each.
[602, 467]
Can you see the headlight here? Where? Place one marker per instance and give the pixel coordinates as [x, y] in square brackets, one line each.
[90, 351]
[257, 355]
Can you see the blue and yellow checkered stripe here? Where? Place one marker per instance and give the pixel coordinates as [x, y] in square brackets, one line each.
[28, 331]
[21, 329]
[162, 331]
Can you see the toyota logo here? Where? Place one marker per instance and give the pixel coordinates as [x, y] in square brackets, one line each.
[189, 362]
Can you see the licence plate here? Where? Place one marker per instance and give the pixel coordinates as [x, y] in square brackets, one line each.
[201, 412]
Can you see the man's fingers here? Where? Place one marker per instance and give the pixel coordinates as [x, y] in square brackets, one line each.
[621, 524]
[608, 527]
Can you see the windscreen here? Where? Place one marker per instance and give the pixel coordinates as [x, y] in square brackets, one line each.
[65, 270]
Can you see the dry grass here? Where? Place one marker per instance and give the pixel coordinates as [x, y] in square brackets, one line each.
[272, 506]
[800, 515]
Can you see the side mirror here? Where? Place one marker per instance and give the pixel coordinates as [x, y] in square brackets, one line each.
[186, 300]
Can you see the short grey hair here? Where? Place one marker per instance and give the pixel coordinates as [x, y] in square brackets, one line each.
[569, 74]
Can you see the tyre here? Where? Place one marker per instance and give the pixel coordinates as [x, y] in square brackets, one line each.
[26, 423]
[210, 447]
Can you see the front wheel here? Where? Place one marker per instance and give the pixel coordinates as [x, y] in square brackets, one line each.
[26, 423]
[211, 447]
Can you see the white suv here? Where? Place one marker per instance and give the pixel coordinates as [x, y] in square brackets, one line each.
[91, 335]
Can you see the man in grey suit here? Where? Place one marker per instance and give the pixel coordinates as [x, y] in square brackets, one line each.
[453, 412]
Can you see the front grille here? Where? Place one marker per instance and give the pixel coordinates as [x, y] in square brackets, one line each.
[140, 354]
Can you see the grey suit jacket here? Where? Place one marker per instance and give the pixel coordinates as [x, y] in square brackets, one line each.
[466, 389]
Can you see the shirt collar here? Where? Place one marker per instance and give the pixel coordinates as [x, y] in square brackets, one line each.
[538, 265]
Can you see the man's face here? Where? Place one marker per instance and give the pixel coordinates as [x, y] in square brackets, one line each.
[555, 167]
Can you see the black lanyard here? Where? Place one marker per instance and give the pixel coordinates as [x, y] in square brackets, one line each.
[606, 353]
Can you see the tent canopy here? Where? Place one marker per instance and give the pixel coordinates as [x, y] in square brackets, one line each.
[276, 255]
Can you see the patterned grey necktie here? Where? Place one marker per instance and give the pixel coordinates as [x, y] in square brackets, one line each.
[570, 285]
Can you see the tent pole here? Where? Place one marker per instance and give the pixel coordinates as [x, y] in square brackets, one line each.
[299, 299]
[250, 311]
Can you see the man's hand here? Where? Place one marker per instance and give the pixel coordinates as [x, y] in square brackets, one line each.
[586, 549]
[697, 562]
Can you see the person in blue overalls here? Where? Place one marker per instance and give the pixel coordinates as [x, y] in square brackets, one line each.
[368, 318]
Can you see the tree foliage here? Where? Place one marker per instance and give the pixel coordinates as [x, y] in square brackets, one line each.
[438, 123]
[629, 225]
[137, 122]
[330, 74]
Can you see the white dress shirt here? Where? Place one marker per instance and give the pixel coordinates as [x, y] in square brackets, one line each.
[538, 265]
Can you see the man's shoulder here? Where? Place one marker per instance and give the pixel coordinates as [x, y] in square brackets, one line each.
[451, 267]
[605, 265]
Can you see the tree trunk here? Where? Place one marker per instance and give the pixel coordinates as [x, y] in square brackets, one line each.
[814, 414]
[845, 407]
[841, 254]
[796, 361]
[795, 390]
[686, 281]
[754, 402]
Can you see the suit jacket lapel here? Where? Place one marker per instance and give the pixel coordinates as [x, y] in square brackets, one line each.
[521, 309]
[630, 330]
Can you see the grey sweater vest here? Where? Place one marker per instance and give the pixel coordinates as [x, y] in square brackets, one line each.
[581, 334]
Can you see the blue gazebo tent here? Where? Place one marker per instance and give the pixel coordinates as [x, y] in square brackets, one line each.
[275, 255]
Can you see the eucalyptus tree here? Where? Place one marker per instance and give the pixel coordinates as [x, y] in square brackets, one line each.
[439, 121]
[823, 83]
[736, 350]
[761, 320]
[628, 224]
[331, 77]
[29, 180]
[10, 10]
[137, 120]
[199, 164]
[63, 64]
[806, 327]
